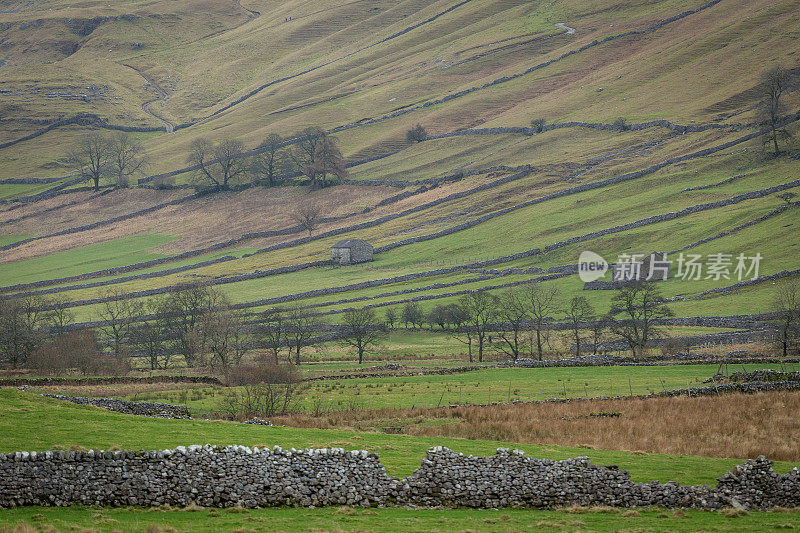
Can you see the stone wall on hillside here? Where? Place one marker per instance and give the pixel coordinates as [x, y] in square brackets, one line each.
[153, 409]
[239, 476]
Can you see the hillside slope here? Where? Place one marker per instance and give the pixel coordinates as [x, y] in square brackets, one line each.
[483, 192]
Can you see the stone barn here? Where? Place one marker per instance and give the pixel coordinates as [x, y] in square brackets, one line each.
[351, 251]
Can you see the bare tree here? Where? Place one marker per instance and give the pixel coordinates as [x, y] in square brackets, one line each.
[60, 317]
[270, 160]
[219, 165]
[360, 330]
[544, 302]
[126, 158]
[438, 316]
[458, 318]
[579, 311]
[391, 317]
[597, 326]
[183, 311]
[639, 305]
[91, 158]
[786, 323]
[274, 332]
[327, 160]
[302, 152]
[512, 311]
[20, 321]
[775, 83]
[225, 339]
[150, 336]
[481, 309]
[308, 215]
[301, 328]
[412, 314]
[116, 315]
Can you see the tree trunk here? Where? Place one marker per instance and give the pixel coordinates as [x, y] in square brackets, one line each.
[360, 354]
[539, 342]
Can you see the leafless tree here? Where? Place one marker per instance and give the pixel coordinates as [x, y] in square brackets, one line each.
[543, 301]
[412, 314]
[270, 160]
[116, 315]
[91, 158]
[219, 165]
[20, 320]
[126, 158]
[360, 330]
[775, 83]
[60, 317]
[327, 160]
[512, 311]
[458, 318]
[301, 328]
[273, 333]
[225, 339]
[481, 309]
[150, 337]
[786, 323]
[183, 311]
[391, 317]
[308, 215]
[598, 326]
[639, 305]
[579, 311]
[302, 152]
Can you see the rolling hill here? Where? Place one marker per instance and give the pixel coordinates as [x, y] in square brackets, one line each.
[486, 201]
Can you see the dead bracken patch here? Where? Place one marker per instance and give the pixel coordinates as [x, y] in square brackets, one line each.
[731, 425]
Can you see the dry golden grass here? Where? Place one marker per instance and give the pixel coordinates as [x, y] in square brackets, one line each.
[732, 425]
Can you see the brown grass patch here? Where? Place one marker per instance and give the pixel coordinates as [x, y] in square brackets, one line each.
[732, 425]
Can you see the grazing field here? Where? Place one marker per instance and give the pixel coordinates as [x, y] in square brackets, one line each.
[480, 386]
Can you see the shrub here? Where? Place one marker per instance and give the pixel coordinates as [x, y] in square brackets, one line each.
[416, 134]
[537, 125]
[76, 350]
[621, 124]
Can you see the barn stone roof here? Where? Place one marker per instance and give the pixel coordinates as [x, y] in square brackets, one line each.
[349, 243]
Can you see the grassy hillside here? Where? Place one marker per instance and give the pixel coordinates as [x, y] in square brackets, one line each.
[229, 69]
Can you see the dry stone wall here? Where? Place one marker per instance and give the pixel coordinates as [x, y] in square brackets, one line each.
[240, 476]
[154, 409]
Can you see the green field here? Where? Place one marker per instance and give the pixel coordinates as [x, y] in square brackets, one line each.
[480, 386]
[30, 422]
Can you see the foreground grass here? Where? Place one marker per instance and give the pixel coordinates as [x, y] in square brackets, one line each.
[30, 422]
[405, 520]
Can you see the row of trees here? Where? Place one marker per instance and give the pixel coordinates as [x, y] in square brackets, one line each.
[119, 157]
[195, 323]
[315, 154]
[200, 326]
[480, 316]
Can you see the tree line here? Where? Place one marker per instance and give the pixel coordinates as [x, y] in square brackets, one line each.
[198, 325]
